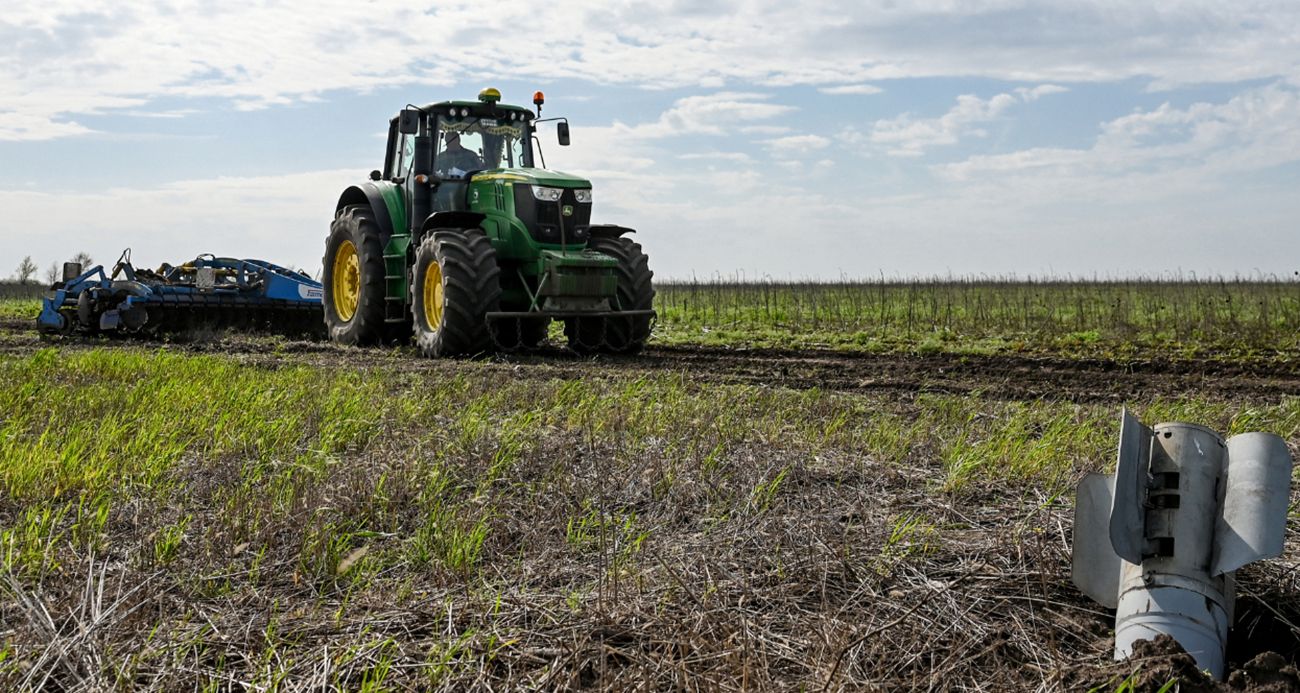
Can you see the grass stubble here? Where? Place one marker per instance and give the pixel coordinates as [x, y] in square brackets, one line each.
[171, 520]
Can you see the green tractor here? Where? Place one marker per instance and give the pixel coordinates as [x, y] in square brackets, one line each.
[463, 244]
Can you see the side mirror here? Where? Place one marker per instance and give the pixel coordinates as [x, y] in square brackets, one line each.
[376, 175]
[408, 121]
[562, 131]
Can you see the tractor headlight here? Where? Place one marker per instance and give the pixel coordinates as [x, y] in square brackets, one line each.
[584, 196]
[546, 194]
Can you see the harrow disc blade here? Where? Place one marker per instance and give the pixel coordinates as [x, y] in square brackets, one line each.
[291, 321]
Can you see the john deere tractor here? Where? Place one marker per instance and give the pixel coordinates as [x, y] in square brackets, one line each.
[465, 245]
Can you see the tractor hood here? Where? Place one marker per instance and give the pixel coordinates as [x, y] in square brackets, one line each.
[534, 176]
[554, 207]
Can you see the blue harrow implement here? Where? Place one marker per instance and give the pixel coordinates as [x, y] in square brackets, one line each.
[206, 293]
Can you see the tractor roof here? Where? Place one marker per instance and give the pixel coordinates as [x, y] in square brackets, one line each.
[475, 107]
[476, 103]
[488, 105]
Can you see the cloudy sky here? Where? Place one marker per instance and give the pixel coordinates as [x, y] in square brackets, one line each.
[790, 140]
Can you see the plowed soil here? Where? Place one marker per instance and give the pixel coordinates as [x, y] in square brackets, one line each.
[1004, 376]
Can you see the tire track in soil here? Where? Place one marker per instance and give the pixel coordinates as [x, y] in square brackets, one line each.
[1008, 377]
[1012, 377]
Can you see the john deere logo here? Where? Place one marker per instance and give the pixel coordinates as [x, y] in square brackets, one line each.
[567, 210]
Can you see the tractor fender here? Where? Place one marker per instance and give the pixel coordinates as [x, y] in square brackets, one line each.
[608, 230]
[452, 220]
[368, 194]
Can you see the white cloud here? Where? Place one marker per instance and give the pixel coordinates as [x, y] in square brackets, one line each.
[1165, 189]
[910, 137]
[845, 89]
[795, 144]
[1199, 146]
[62, 60]
[172, 114]
[18, 126]
[710, 114]
[1033, 93]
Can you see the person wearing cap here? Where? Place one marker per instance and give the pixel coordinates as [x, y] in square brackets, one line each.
[454, 161]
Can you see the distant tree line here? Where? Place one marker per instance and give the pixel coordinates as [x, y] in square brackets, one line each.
[25, 282]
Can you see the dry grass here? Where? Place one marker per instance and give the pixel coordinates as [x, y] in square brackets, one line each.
[863, 578]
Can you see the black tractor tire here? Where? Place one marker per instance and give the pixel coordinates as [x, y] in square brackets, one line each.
[87, 310]
[69, 321]
[635, 292]
[354, 226]
[467, 285]
[521, 333]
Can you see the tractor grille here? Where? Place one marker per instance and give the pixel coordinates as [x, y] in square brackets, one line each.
[544, 219]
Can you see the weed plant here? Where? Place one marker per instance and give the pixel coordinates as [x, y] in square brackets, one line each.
[1179, 315]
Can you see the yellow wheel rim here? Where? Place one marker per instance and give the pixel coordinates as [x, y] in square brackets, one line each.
[346, 283]
[432, 291]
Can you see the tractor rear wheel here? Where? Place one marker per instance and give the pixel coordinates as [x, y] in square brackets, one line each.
[354, 278]
[455, 284]
[635, 292]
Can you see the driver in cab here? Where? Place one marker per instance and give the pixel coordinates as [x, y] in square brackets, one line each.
[454, 161]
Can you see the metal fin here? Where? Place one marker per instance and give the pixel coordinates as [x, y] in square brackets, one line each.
[1252, 515]
[1095, 566]
[1127, 512]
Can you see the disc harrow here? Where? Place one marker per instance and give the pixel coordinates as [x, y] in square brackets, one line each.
[207, 293]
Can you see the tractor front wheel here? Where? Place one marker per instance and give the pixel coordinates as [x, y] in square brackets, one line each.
[635, 292]
[354, 278]
[455, 284]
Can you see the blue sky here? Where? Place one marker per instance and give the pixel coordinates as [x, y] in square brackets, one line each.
[774, 139]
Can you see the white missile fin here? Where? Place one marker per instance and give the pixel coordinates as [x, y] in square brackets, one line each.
[1095, 566]
[1252, 516]
[1127, 512]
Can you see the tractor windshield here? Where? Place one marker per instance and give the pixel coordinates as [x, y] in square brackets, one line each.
[475, 144]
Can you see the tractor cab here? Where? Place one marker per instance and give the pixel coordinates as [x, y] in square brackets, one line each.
[450, 140]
